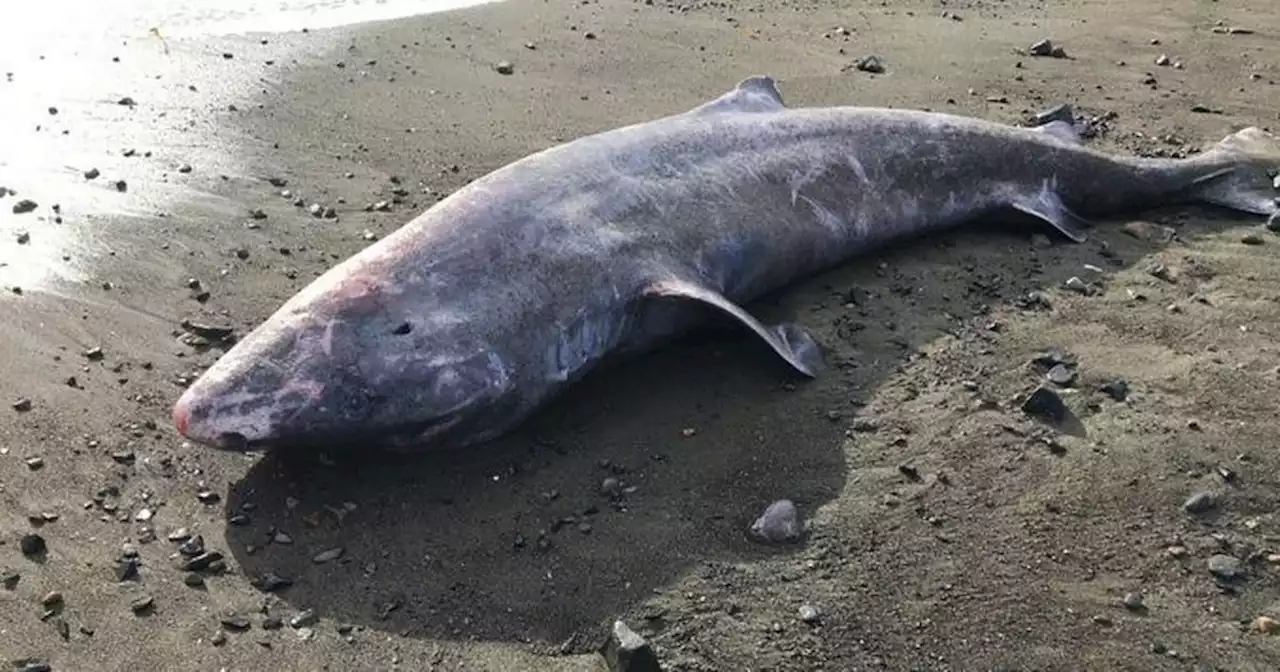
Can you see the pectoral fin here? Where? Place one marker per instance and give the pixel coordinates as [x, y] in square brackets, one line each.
[1047, 206]
[792, 342]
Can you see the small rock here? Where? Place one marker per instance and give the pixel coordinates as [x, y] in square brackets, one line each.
[126, 101]
[9, 579]
[33, 666]
[1102, 620]
[1199, 502]
[1266, 625]
[235, 623]
[1252, 239]
[780, 523]
[35, 463]
[1163, 59]
[24, 206]
[626, 651]
[1045, 404]
[51, 599]
[303, 619]
[121, 185]
[142, 605]
[1132, 601]
[809, 613]
[219, 638]
[504, 67]
[22, 405]
[193, 580]
[1046, 47]
[257, 213]
[1225, 567]
[1062, 113]
[201, 562]
[1117, 389]
[272, 582]
[92, 174]
[327, 556]
[208, 497]
[32, 544]
[870, 63]
[1061, 375]
[1079, 286]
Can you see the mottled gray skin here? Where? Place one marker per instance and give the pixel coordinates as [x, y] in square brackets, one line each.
[456, 327]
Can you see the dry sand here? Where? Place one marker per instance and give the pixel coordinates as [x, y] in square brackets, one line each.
[948, 530]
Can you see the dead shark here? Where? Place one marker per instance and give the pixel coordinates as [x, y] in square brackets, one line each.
[456, 327]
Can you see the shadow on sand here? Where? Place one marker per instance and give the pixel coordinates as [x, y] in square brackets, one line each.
[516, 540]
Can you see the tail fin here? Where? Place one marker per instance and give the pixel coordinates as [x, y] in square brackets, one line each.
[1249, 180]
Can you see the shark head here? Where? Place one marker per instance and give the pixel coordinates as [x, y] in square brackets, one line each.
[344, 362]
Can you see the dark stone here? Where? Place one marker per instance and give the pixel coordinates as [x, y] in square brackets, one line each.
[1117, 389]
[32, 544]
[626, 651]
[1046, 405]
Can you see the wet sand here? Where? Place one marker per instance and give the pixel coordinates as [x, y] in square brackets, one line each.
[948, 530]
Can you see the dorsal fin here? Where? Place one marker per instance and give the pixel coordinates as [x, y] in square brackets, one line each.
[758, 93]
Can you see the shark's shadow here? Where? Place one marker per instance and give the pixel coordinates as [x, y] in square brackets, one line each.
[646, 470]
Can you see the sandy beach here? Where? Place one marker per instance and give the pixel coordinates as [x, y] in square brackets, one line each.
[184, 181]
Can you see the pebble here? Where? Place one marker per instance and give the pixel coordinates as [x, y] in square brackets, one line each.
[235, 622]
[35, 463]
[1163, 59]
[1046, 47]
[1045, 404]
[1225, 567]
[1062, 113]
[504, 67]
[22, 405]
[1252, 239]
[1266, 625]
[316, 210]
[272, 582]
[219, 638]
[51, 599]
[1061, 375]
[193, 580]
[1117, 389]
[32, 544]
[869, 63]
[1199, 502]
[142, 605]
[809, 613]
[303, 619]
[92, 174]
[24, 206]
[626, 651]
[1132, 601]
[780, 523]
[33, 666]
[9, 579]
[327, 556]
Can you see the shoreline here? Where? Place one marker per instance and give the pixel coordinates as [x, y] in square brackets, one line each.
[510, 557]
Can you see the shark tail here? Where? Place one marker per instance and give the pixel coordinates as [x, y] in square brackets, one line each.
[1248, 179]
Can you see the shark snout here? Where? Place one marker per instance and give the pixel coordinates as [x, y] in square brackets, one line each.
[196, 419]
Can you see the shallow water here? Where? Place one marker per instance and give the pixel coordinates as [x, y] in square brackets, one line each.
[65, 65]
[39, 24]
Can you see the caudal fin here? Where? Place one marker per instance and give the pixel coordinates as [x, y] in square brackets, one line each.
[1249, 180]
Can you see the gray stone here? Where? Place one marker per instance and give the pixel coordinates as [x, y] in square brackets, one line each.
[626, 651]
[780, 523]
[1199, 502]
[1225, 567]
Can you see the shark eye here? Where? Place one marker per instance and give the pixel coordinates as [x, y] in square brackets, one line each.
[402, 329]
